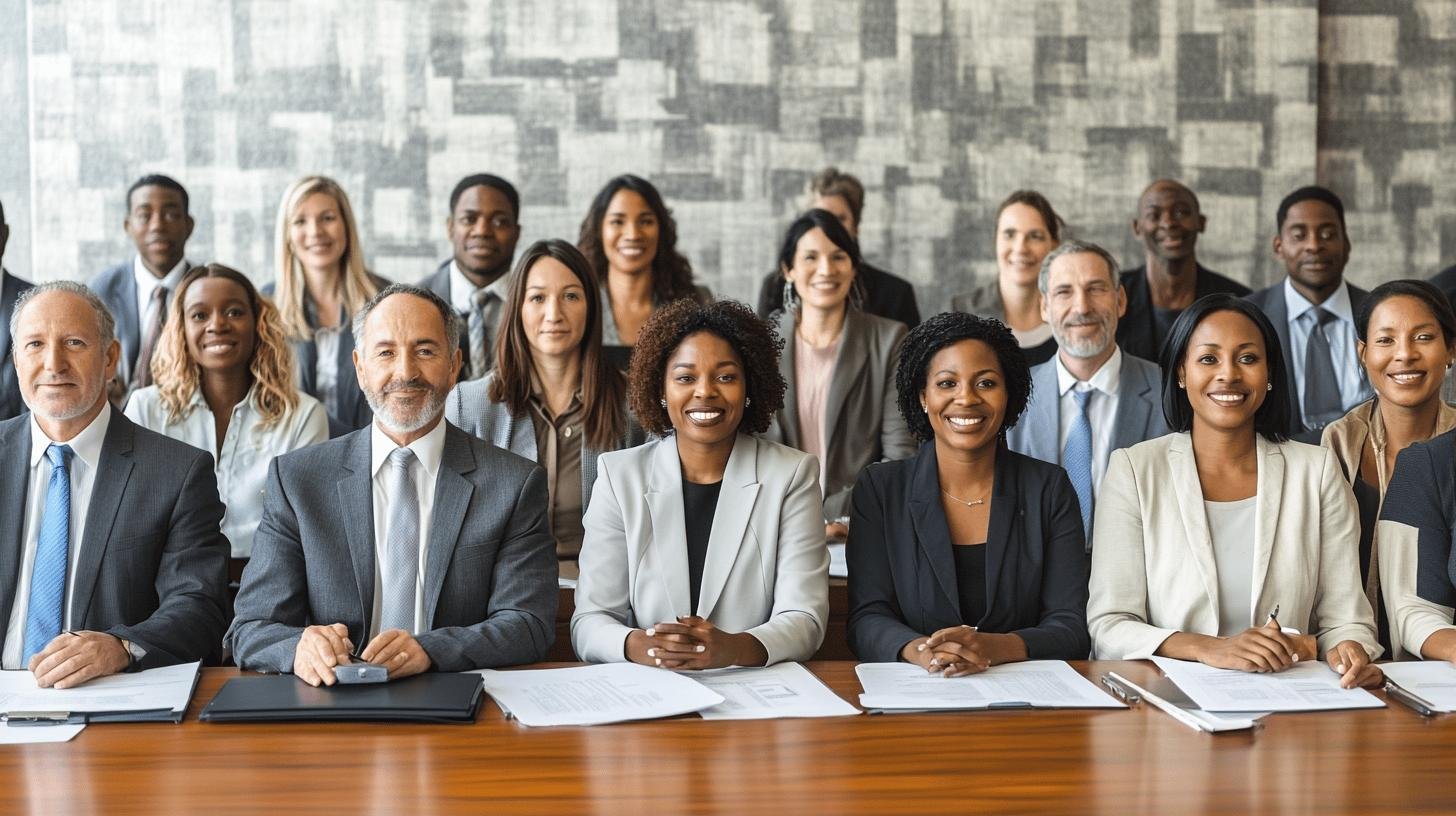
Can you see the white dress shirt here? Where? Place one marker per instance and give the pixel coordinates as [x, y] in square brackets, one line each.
[86, 456]
[1341, 334]
[1101, 409]
[146, 282]
[247, 449]
[425, 471]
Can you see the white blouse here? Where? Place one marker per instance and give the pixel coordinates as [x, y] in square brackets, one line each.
[1233, 528]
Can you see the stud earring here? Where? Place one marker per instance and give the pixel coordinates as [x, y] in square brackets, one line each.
[747, 401]
[1180, 384]
[662, 402]
[1268, 386]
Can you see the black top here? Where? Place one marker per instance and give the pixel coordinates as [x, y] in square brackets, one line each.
[970, 561]
[1367, 500]
[885, 295]
[1422, 495]
[700, 501]
[1036, 355]
[1141, 331]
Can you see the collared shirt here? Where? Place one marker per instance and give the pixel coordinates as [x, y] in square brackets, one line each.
[86, 457]
[247, 449]
[462, 292]
[146, 282]
[429, 450]
[1101, 410]
[1341, 334]
[558, 449]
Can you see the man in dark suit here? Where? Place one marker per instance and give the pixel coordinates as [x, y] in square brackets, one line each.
[484, 226]
[1314, 309]
[884, 294]
[111, 553]
[423, 546]
[1168, 223]
[11, 288]
[137, 290]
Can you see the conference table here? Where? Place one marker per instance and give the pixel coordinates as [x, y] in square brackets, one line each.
[1105, 761]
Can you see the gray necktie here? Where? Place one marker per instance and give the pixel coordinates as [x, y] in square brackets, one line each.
[1322, 403]
[479, 338]
[401, 544]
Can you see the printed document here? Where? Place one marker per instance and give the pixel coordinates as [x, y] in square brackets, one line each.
[1305, 686]
[595, 695]
[1432, 680]
[1029, 684]
[784, 690]
[165, 689]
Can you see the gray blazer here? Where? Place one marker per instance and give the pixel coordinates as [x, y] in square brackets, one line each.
[983, 301]
[861, 411]
[490, 581]
[1139, 410]
[117, 288]
[152, 567]
[469, 408]
[10, 402]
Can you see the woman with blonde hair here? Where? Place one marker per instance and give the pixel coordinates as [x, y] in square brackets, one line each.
[224, 382]
[321, 282]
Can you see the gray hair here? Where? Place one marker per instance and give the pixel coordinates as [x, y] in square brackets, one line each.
[447, 313]
[1075, 247]
[105, 323]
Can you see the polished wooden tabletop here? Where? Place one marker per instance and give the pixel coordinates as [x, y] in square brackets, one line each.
[1110, 761]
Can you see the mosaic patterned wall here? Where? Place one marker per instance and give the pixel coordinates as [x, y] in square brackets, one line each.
[941, 106]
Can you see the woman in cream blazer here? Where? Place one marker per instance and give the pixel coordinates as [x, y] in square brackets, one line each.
[1157, 586]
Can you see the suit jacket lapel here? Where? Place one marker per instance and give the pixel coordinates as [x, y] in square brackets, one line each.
[1044, 429]
[736, 498]
[669, 533]
[14, 482]
[932, 534]
[849, 362]
[127, 320]
[1270, 487]
[1189, 493]
[356, 503]
[452, 498]
[1279, 315]
[789, 415]
[307, 352]
[113, 471]
[1004, 510]
[1134, 406]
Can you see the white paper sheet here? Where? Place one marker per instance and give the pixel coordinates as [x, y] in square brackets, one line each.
[838, 564]
[1432, 680]
[1031, 684]
[167, 688]
[1305, 686]
[595, 695]
[784, 690]
[35, 734]
[565, 583]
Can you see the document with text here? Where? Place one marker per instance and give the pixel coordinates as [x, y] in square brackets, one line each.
[162, 692]
[1432, 680]
[1307, 686]
[783, 690]
[595, 695]
[1030, 684]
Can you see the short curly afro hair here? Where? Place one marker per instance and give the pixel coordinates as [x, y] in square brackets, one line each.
[947, 329]
[757, 344]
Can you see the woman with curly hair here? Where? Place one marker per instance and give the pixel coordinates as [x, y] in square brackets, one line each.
[224, 383]
[630, 238]
[704, 547]
[968, 554]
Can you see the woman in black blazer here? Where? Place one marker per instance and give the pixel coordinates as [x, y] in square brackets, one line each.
[966, 555]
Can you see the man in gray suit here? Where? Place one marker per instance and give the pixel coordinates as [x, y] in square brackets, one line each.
[424, 546]
[10, 289]
[111, 554]
[1091, 398]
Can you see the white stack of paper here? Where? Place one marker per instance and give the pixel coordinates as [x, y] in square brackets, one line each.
[1030, 684]
[838, 564]
[1432, 680]
[784, 690]
[1307, 686]
[160, 694]
[595, 695]
[35, 734]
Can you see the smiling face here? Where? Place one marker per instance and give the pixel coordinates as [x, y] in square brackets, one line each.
[554, 313]
[159, 225]
[823, 273]
[60, 359]
[219, 324]
[483, 232]
[1225, 371]
[404, 364]
[1082, 304]
[317, 233]
[1022, 240]
[1405, 353]
[1168, 222]
[629, 234]
[965, 396]
[705, 390]
[1313, 246]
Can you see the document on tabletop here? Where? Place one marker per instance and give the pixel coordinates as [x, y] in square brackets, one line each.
[165, 689]
[1029, 684]
[838, 562]
[34, 734]
[595, 695]
[1432, 680]
[1305, 686]
[784, 690]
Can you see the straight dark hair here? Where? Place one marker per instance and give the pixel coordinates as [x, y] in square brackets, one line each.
[603, 387]
[672, 275]
[1272, 420]
[837, 234]
[1423, 291]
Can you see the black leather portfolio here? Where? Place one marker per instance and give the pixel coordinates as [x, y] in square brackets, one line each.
[429, 697]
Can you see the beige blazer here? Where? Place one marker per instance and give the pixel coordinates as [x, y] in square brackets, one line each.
[767, 567]
[1153, 569]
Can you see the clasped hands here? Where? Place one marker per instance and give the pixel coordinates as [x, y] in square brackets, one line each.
[1268, 649]
[321, 648]
[961, 650]
[692, 642]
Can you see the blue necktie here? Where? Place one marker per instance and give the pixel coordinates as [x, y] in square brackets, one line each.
[52, 557]
[1077, 459]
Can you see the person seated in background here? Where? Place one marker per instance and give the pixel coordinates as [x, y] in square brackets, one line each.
[484, 226]
[113, 553]
[551, 396]
[885, 295]
[967, 555]
[410, 544]
[1027, 228]
[1201, 534]
[321, 282]
[1167, 224]
[630, 238]
[838, 364]
[1090, 399]
[223, 382]
[11, 289]
[704, 547]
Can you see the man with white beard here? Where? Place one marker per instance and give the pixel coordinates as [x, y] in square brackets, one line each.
[1090, 399]
[408, 544]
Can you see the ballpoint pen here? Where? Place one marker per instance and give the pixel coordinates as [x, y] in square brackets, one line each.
[1273, 615]
[1409, 699]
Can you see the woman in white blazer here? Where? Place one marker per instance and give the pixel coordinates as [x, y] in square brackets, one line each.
[704, 547]
[1199, 536]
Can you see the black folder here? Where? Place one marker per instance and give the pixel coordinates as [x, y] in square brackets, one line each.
[430, 697]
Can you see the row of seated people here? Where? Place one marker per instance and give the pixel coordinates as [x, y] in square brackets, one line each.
[417, 545]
